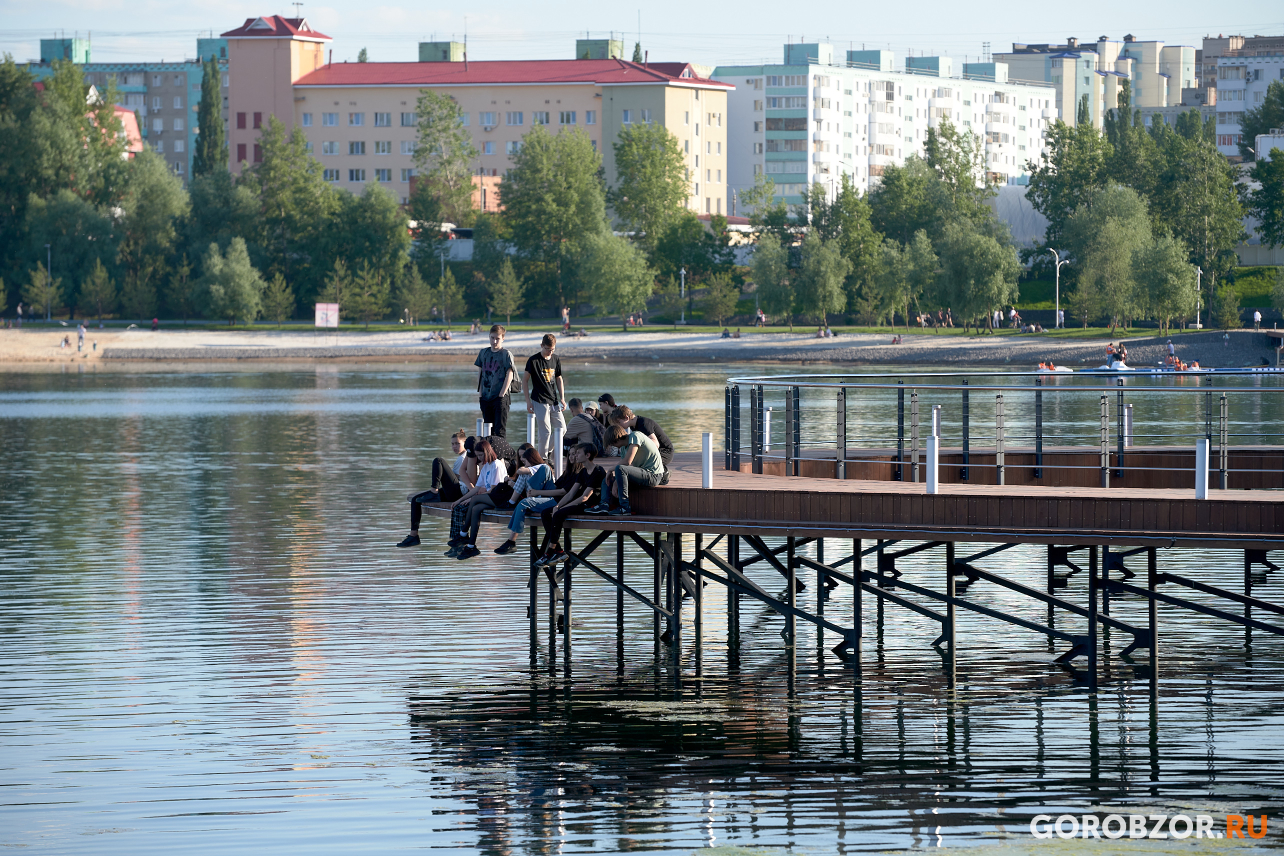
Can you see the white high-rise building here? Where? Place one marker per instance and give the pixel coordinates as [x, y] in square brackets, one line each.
[813, 118]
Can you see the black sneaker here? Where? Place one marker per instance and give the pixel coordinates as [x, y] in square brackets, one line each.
[411, 540]
[467, 552]
[600, 508]
[620, 511]
[552, 557]
[506, 548]
[453, 552]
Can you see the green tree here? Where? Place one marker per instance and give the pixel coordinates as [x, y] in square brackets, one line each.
[959, 162]
[978, 272]
[770, 269]
[338, 286]
[182, 294]
[369, 297]
[296, 209]
[490, 250]
[1261, 119]
[1166, 280]
[138, 293]
[1106, 233]
[42, 293]
[98, 292]
[846, 219]
[211, 146]
[1277, 291]
[553, 200]
[908, 271]
[414, 296]
[766, 212]
[615, 273]
[637, 52]
[362, 56]
[371, 229]
[78, 232]
[450, 298]
[221, 210]
[687, 244]
[444, 157]
[909, 198]
[672, 301]
[231, 287]
[818, 284]
[652, 188]
[154, 203]
[1265, 198]
[1132, 158]
[1226, 306]
[278, 300]
[507, 292]
[1073, 168]
[720, 298]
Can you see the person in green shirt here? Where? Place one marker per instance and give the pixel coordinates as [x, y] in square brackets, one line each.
[640, 466]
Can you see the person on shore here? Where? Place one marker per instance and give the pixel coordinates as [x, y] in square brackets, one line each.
[155, 324]
[736, 335]
[80, 337]
[583, 490]
[949, 317]
[538, 500]
[1110, 352]
[726, 332]
[449, 481]
[19, 314]
[545, 392]
[1257, 319]
[624, 417]
[1172, 352]
[533, 475]
[583, 428]
[494, 379]
[566, 319]
[640, 466]
[490, 473]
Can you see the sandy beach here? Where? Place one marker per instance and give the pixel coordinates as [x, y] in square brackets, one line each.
[42, 345]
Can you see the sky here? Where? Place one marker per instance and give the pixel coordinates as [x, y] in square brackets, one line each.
[744, 32]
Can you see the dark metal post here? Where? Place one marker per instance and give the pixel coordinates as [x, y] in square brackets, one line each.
[791, 624]
[735, 428]
[619, 582]
[914, 436]
[755, 428]
[789, 432]
[1248, 589]
[566, 612]
[793, 393]
[949, 612]
[858, 574]
[967, 415]
[1208, 415]
[1038, 432]
[1092, 614]
[1119, 430]
[899, 474]
[655, 593]
[534, 594]
[698, 562]
[1105, 441]
[1105, 579]
[1152, 580]
[821, 579]
[726, 426]
[841, 470]
[675, 586]
[733, 598]
[998, 439]
[1222, 448]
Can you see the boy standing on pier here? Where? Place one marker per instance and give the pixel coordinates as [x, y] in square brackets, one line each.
[494, 378]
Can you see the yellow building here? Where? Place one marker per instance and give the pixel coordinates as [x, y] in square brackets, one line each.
[360, 117]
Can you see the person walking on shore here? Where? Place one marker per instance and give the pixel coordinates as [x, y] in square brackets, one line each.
[545, 392]
[494, 378]
[80, 337]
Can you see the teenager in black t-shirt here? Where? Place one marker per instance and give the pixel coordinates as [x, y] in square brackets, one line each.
[545, 392]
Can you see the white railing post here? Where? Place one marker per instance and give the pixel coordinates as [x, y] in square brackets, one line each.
[766, 430]
[1201, 469]
[706, 460]
[934, 451]
[532, 430]
[480, 423]
[487, 427]
[558, 458]
[1127, 425]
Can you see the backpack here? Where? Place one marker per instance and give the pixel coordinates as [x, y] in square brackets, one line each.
[599, 433]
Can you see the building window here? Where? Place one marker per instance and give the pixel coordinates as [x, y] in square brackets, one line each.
[329, 120]
[594, 142]
[407, 173]
[719, 206]
[383, 147]
[178, 146]
[307, 147]
[757, 148]
[627, 118]
[307, 120]
[757, 169]
[566, 117]
[258, 120]
[178, 102]
[486, 119]
[463, 119]
[383, 175]
[356, 175]
[407, 120]
[240, 121]
[757, 127]
[160, 147]
[513, 117]
[178, 124]
[258, 153]
[686, 117]
[646, 117]
[540, 117]
[356, 120]
[407, 147]
[155, 102]
[330, 148]
[178, 168]
[708, 174]
[719, 148]
[240, 152]
[757, 106]
[590, 117]
[356, 147]
[178, 80]
[383, 120]
[514, 146]
[158, 125]
[330, 175]
[488, 147]
[707, 205]
[718, 173]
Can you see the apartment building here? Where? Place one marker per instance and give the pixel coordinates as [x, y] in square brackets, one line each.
[1230, 46]
[165, 96]
[1157, 73]
[813, 119]
[1241, 86]
[360, 122]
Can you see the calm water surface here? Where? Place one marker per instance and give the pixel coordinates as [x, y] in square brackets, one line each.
[209, 645]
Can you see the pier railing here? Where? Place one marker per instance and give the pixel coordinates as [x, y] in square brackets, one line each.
[1136, 430]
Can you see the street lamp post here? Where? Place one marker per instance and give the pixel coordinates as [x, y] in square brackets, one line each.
[682, 292]
[48, 277]
[1057, 256]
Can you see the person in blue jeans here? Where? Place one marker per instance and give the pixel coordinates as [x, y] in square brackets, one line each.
[534, 474]
[544, 497]
[640, 467]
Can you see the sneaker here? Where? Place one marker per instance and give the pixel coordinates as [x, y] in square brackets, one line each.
[453, 551]
[506, 548]
[467, 552]
[600, 508]
[620, 511]
[552, 557]
[411, 540]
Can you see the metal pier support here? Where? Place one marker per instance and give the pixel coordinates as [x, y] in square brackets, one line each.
[655, 595]
[698, 570]
[899, 473]
[1152, 580]
[1092, 611]
[1105, 442]
[967, 418]
[840, 470]
[948, 630]
[1038, 429]
[914, 436]
[566, 611]
[998, 439]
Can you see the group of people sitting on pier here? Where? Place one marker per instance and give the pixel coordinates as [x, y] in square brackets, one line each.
[609, 451]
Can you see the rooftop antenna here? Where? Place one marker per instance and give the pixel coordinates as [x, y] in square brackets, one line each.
[296, 4]
[465, 44]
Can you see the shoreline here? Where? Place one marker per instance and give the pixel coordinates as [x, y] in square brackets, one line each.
[31, 348]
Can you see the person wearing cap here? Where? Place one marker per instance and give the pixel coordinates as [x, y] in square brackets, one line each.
[583, 428]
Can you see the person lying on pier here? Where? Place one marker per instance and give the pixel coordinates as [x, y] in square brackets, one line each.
[491, 472]
[534, 475]
[539, 499]
[586, 484]
[624, 417]
[640, 466]
[449, 481]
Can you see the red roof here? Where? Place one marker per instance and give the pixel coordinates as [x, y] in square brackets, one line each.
[598, 71]
[129, 130]
[276, 27]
